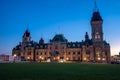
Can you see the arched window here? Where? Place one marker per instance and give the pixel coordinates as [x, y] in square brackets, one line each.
[97, 35]
[73, 53]
[98, 51]
[68, 53]
[78, 53]
[87, 52]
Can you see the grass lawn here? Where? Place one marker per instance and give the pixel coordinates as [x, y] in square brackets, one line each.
[59, 71]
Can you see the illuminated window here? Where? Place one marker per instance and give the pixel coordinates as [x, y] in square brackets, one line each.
[73, 45]
[97, 36]
[98, 54]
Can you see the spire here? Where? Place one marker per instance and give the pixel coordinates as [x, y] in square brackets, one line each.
[86, 36]
[26, 36]
[59, 30]
[41, 41]
[95, 8]
[96, 15]
[27, 29]
[27, 33]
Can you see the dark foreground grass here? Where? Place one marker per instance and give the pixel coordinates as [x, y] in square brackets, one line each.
[59, 71]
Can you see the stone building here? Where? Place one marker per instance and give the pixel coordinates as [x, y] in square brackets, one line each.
[60, 49]
[4, 57]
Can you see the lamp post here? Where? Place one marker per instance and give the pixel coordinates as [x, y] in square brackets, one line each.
[40, 58]
[14, 57]
[67, 58]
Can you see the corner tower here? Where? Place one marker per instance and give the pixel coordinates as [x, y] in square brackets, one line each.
[26, 36]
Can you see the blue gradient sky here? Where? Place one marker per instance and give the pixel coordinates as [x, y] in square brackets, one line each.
[48, 17]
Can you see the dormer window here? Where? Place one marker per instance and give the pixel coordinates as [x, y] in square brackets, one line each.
[73, 45]
[78, 45]
[45, 46]
[68, 45]
[37, 46]
[41, 46]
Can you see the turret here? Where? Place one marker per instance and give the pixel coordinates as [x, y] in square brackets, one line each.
[41, 41]
[86, 36]
[26, 36]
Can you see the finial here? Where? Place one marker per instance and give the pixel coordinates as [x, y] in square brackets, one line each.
[27, 26]
[86, 36]
[95, 8]
[41, 35]
[58, 29]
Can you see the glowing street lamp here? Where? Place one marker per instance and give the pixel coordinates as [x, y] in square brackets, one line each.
[67, 58]
[42, 58]
[39, 57]
[54, 58]
[103, 59]
[28, 57]
[84, 59]
[14, 57]
[58, 58]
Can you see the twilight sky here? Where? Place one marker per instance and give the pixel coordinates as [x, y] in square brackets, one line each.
[48, 17]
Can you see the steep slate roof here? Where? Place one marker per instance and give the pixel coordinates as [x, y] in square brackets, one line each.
[96, 17]
[106, 44]
[18, 47]
[28, 44]
[27, 33]
[59, 38]
[89, 41]
[31, 44]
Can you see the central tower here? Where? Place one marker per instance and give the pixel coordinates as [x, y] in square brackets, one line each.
[96, 25]
[100, 53]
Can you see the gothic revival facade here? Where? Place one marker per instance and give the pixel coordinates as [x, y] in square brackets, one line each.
[59, 49]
